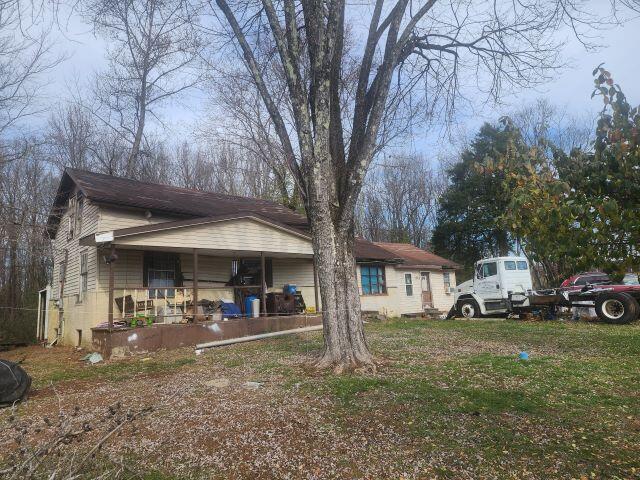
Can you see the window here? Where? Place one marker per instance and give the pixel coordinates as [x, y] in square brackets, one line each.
[372, 279]
[71, 224]
[522, 265]
[62, 272]
[79, 211]
[161, 272]
[84, 276]
[446, 277]
[489, 269]
[509, 265]
[408, 284]
[248, 271]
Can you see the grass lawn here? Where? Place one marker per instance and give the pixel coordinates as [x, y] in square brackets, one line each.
[450, 400]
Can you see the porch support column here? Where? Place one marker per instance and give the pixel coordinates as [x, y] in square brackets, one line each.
[315, 285]
[112, 259]
[195, 284]
[263, 290]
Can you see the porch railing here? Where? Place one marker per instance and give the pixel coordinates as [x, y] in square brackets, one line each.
[163, 304]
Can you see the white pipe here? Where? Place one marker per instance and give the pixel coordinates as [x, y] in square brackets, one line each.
[250, 338]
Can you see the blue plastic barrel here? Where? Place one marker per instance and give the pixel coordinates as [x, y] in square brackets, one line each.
[247, 304]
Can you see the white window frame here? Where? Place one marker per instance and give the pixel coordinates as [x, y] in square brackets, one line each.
[71, 211]
[408, 284]
[83, 283]
[78, 214]
[446, 279]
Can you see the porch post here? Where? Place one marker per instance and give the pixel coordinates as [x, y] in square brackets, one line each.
[112, 258]
[195, 285]
[315, 285]
[263, 290]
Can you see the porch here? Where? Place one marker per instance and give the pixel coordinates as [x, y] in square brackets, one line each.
[131, 341]
[203, 271]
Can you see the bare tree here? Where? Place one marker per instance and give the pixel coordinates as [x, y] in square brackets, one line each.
[245, 125]
[430, 47]
[153, 48]
[26, 189]
[70, 137]
[399, 201]
[542, 121]
[25, 54]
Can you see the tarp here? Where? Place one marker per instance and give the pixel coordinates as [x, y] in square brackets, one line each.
[14, 383]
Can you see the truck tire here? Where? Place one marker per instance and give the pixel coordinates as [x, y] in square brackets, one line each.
[617, 308]
[468, 308]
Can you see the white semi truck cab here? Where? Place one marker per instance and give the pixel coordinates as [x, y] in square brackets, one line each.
[494, 280]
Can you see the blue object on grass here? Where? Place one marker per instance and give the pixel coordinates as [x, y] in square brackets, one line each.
[523, 356]
[230, 310]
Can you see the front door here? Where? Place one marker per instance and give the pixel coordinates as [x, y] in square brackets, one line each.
[427, 298]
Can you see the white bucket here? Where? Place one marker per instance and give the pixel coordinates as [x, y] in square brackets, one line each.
[255, 307]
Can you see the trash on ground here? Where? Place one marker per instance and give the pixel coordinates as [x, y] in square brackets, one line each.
[253, 385]
[93, 358]
[14, 383]
[523, 356]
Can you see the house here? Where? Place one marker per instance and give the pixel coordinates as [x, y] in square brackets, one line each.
[125, 248]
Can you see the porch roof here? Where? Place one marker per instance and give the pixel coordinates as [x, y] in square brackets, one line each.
[236, 235]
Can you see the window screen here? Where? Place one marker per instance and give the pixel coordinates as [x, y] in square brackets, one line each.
[522, 265]
[509, 265]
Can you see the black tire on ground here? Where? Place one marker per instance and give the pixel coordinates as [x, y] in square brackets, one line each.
[468, 308]
[619, 308]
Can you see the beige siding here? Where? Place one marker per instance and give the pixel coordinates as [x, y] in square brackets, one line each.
[239, 235]
[298, 272]
[114, 219]
[396, 301]
[77, 310]
[442, 300]
[389, 303]
[127, 270]
[409, 303]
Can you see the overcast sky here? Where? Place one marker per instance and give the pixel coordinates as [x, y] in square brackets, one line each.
[570, 90]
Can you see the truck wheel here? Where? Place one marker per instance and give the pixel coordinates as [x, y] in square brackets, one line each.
[469, 308]
[617, 308]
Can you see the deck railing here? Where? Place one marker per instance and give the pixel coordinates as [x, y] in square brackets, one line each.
[162, 304]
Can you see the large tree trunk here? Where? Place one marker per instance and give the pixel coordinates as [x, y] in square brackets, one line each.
[345, 347]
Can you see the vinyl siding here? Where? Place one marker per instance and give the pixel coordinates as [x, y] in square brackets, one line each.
[237, 235]
[76, 310]
[114, 219]
[442, 300]
[396, 301]
[298, 272]
[388, 303]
